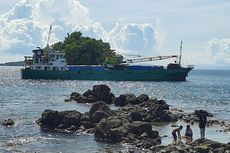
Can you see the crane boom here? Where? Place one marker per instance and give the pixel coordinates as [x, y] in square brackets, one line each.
[49, 33]
[147, 59]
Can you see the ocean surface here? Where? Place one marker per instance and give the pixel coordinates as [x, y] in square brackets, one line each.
[25, 100]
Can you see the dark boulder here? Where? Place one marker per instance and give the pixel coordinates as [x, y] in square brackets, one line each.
[159, 114]
[70, 118]
[85, 121]
[60, 120]
[136, 116]
[120, 101]
[111, 129]
[142, 98]
[88, 93]
[8, 122]
[102, 93]
[98, 111]
[131, 99]
[138, 128]
[49, 118]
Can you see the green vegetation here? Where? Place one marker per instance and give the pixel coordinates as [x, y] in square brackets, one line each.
[84, 50]
[19, 63]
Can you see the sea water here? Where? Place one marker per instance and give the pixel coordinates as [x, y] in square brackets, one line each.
[25, 100]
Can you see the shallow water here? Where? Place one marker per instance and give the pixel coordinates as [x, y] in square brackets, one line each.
[25, 100]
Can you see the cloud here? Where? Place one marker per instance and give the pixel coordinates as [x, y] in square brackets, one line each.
[25, 27]
[133, 38]
[219, 50]
[215, 53]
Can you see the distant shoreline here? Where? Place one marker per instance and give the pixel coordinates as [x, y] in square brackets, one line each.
[19, 63]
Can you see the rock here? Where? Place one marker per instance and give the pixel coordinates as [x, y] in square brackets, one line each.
[74, 94]
[111, 129]
[159, 114]
[209, 143]
[220, 150]
[131, 99]
[135, 116]
[102, 93]
[88, 93]
[49, 118]
[60, 120]
[142, 98]
[202, 149]
[8, 122]
[174, 125]
[98, 111]
[70, 118]
[120, 101]
[138, 128]
[85, 121]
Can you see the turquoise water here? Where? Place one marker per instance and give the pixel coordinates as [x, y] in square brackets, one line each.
[25, 100]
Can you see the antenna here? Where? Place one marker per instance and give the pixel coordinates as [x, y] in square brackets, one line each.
[180, 52]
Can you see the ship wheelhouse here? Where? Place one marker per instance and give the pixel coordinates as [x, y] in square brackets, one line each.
[46, 60]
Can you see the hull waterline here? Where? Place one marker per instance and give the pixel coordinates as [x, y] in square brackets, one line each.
[111, 75]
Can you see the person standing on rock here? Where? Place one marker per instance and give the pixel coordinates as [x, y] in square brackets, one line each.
[188, 133]
[177, 130]
[202, 122]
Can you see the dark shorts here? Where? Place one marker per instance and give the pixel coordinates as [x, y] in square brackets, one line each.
[174, 136]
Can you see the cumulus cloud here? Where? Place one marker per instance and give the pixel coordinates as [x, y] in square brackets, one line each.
[133, 38]
[215, 53]
[219, 50]
[26, 26]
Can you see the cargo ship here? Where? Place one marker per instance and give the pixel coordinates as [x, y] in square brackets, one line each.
[52, 65]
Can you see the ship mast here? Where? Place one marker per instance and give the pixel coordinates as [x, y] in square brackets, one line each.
[180, 52]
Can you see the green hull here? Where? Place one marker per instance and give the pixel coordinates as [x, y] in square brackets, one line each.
[111, 74]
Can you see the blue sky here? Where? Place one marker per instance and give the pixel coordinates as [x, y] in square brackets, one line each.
[145, 27]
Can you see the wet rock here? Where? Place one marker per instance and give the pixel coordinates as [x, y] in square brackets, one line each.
[85, 121]
[8, 122]
[80, 98]
[102, 93]
[136, 116]
[202, 149]
[120, 129]
[212, 145]
[88, 93]
[98, 111]
[159, 114]
[131, 99]
[142, 98]
[111, 129]
[51, 119]
[120, 101]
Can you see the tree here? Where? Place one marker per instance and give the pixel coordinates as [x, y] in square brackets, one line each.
[84, 50]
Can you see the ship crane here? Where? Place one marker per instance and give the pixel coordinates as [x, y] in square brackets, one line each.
[147, 59]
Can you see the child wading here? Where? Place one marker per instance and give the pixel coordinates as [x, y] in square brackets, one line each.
[177, 130]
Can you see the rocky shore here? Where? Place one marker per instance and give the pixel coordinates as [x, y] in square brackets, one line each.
[131, 123]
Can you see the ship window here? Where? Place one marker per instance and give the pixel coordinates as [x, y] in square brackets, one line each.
[45, 68]
[37, 67]
[55, 68]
